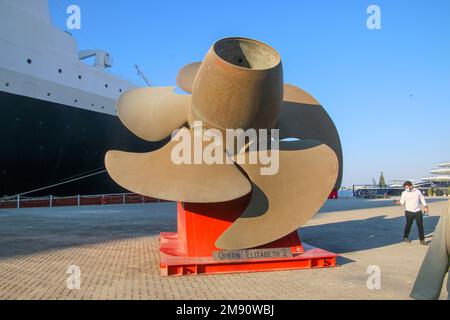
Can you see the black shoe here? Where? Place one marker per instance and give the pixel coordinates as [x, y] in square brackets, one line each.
[423, 242]
[406, 239]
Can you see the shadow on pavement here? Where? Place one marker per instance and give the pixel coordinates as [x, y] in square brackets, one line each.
[357, 204]
[358, 235]
[29, 231]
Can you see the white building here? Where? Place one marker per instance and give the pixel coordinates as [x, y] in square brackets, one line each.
[441, 175]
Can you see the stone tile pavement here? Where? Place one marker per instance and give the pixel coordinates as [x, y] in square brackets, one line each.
[116, 249]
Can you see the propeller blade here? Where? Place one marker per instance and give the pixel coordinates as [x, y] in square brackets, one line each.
[153, 113]
[283, 202]
[303, 117]
[156, 174]
[186, 76]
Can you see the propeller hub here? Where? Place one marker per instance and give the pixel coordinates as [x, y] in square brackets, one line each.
[239, 85]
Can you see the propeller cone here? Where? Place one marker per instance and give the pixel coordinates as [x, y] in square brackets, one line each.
[238, 85]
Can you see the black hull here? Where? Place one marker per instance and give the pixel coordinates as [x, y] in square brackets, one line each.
[44, 143]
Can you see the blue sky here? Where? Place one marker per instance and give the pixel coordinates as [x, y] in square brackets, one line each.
[387, 90]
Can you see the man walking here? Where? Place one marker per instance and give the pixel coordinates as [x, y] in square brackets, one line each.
[411, 199]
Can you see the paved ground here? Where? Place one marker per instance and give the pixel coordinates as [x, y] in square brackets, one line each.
[116, 249]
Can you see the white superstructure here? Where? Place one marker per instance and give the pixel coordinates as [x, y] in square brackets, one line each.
[440, 175]
[38, 60]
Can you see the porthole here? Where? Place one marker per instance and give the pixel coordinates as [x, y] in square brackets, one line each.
[48, 94]
[76, 100]
[59, 70]
[80, 77]
[120, 90]
[29, 61]
[7, 84]
[106, 85]
[103, 107]
[92, 105]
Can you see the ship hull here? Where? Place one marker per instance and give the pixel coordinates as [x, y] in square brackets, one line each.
[45, 143]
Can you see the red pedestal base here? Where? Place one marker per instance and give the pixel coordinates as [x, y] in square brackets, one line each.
[190, 250]
[334, 195]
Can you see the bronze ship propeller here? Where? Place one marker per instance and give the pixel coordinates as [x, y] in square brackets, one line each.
[238, 85]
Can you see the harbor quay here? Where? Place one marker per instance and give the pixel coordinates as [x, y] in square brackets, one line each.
[113, 253]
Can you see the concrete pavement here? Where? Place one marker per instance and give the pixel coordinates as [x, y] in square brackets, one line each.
[116, 249]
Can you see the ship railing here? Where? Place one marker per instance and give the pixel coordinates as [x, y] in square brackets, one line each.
[50, 201]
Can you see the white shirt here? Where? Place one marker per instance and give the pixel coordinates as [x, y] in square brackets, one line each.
[412, 199]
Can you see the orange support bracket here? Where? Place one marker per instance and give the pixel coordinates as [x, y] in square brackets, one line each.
[192, 251]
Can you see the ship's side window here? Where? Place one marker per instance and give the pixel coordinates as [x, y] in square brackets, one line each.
[7, 84]
[120, 90]
[59, 70]
[48, 94]
[76, 100]
[29, 61]
[79, 77]
[106, 85]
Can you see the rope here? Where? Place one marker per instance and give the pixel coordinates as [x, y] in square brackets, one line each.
[55, 185]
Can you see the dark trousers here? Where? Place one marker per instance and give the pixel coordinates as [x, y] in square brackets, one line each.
[410, 217]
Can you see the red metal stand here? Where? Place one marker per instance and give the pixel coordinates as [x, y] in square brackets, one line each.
[334, 195]
[190, 250]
